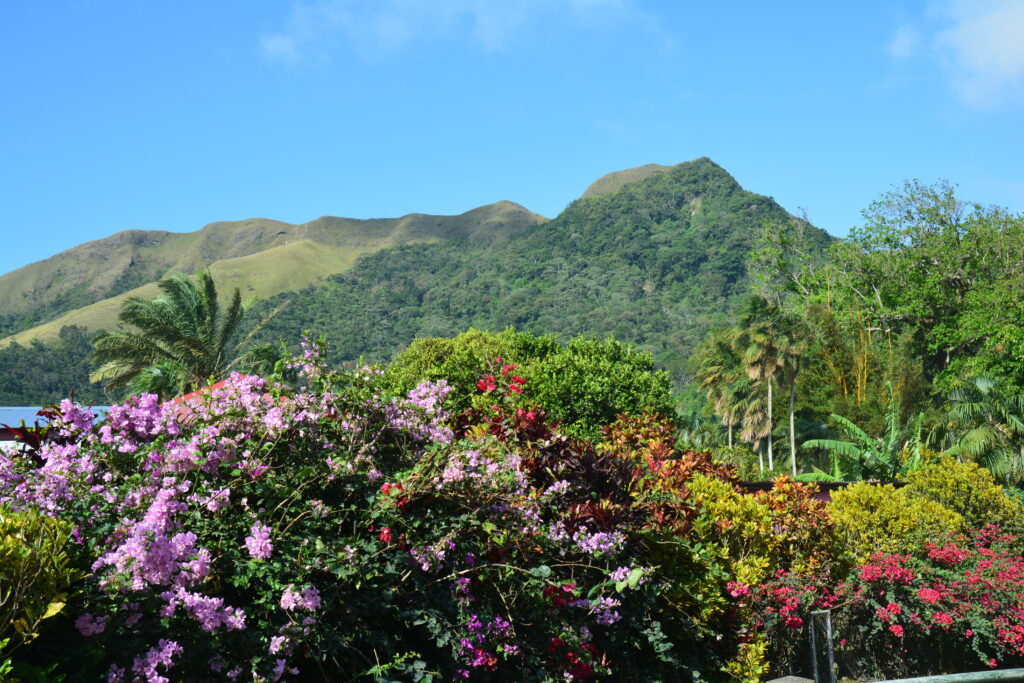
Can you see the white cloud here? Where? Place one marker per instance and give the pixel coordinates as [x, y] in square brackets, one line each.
[979, 44]
[904, 43]
[314, 28]
[985, 45]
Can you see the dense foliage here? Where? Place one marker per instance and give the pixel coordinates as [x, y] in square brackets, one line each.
[336, 529]
[583, 384]
[34, 574]
[907, 333]
[43, 374]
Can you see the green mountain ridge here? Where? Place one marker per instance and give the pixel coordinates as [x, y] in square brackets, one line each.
[86, 285]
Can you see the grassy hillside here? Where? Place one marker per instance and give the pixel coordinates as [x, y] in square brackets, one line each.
[86, 285]
[654, 261]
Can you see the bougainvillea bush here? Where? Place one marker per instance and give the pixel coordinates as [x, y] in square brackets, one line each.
[334, 532]
[956, 604]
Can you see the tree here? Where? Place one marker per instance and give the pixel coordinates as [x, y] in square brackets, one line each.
[947, 270]
[178, 341]
[767, 344]
[793, 351]
[990, 422]
[584, 383]
[722, 377]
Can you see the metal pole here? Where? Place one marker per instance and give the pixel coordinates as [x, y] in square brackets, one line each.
[828, 642]
[814, 649]
[826, 616]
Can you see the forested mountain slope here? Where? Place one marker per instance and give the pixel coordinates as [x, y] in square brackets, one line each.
[654, 262]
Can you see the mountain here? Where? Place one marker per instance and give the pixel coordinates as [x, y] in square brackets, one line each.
[86, 285]
[652, 256]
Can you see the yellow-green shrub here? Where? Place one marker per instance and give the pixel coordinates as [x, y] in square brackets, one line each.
[967, 489]
[737, 526]
[889, 520]
[750, 665]
[34, 572]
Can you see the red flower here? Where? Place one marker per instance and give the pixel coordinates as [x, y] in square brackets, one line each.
[486, 383]
[515, 388]
[385, 534]
[737, 589]
[896, 630]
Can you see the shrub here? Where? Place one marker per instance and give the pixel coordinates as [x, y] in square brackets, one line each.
[583, 384]
[968, 489]
[880, 518]
[742, 457]
[34, 572]
[587, 383]
[953, 605]
[460, 361]
[737, 528]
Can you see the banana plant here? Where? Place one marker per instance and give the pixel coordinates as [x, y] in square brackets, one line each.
[900, 449]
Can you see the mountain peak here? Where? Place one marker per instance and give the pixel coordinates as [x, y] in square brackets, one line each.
[617, 180]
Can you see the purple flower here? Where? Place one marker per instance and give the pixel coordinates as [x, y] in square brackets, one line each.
[600, 543]
[162, 655]
[88, 625]
[258, 543]
[306, 599]
[604, 611]
[620, 574]
[274, 421]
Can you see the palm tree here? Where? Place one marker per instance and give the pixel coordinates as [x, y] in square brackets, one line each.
[720, 375]
[177, 342]
[791, 349]
[764, 351]
[991, 426]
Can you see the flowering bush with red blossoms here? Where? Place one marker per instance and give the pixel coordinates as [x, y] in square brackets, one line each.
[956, 605]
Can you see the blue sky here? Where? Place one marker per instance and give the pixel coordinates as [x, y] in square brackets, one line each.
[170, 115]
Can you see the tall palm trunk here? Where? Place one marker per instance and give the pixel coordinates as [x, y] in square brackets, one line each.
[792, 427]
[771, 461]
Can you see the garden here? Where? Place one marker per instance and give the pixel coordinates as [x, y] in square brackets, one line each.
[509, 508]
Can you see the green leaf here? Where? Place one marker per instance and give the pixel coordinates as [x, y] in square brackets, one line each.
[634, 577]
[53, 609]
